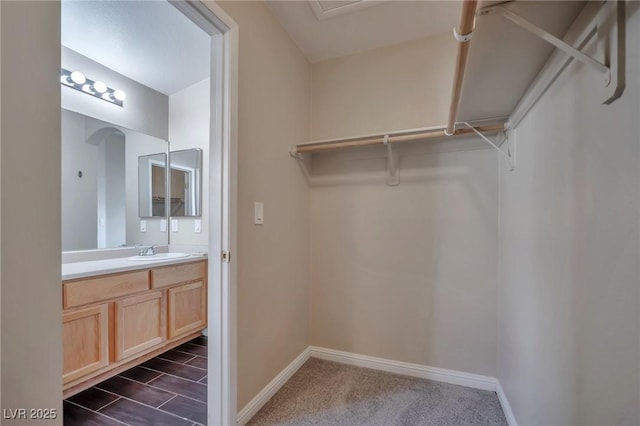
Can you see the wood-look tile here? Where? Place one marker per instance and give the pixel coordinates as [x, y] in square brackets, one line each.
[199, 362]
[176, 356]
[136, 391]
[181, 387]
[193, 349]
[140, 374]
[187, 408]
[181, 370]
[204, 380]
[93, 399]
[135, 414]
[73, 415]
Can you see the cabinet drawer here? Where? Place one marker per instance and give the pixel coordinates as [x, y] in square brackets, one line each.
[91, 290]
[169, 275]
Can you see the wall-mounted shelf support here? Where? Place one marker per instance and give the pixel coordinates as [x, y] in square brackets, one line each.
[608, 25]
[555, 41]
[392, 165]
[304, 161]
[508, 155]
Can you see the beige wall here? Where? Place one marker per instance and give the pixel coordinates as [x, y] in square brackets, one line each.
[273, 259]
[31, 375]
[569, 347]
[392, 88]
[408, 272]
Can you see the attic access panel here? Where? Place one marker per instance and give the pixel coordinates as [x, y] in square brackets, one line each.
[324, 9]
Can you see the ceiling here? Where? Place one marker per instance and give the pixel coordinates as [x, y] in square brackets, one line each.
[347, 27]
[150, 42]
[153, 43]
[503, 60]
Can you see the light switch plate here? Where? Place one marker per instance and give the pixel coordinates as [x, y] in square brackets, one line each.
[163, 225]
[143, 226]
[174, 225]
[258, 218]
[197, 225]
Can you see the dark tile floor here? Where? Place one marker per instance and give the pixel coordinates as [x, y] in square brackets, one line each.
[170, 389]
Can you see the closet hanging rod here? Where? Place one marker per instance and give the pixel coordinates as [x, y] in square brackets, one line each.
[463, 36]
[392, 137]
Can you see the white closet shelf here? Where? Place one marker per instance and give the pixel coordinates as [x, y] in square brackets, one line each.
[409, 135]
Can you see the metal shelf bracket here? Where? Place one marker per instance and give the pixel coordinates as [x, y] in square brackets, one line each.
[304, 162]
[509, 154]
[393, 178]
[608, 26]
[550, 38]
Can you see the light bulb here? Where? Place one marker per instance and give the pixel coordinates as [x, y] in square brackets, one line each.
[119, 95]
[99, 87]
[78, 78]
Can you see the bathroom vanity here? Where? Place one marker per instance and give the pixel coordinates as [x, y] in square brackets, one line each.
[120, 190]
[117, 314]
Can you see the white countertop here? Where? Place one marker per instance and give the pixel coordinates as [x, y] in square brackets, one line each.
[75, 270]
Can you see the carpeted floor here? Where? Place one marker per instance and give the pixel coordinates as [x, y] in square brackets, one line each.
[325, 393]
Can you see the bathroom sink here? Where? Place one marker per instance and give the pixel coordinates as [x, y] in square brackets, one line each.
[158, 257]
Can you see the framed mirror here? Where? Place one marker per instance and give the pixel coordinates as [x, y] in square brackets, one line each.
[100, 184]
[185, 183]
[152, 185]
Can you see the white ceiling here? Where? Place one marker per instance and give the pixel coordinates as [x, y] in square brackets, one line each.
[503, 61]
[153, 43]
[357, 26]
[150, 42]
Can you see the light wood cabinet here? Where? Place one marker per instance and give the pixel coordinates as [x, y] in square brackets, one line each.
[187, 308]
[139, 324]
[113, 322]
[85, 339]
[96, 289]
[174, 274]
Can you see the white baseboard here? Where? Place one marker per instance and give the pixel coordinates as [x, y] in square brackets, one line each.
[415, 370]
[506, 407]
[253, 406]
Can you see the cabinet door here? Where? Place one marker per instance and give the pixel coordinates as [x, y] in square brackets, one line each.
[139, 324]
[187, 309]
[85, 341]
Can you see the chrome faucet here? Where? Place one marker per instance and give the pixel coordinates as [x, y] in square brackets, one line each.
[148, 251]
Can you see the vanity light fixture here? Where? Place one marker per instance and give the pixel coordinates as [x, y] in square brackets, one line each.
[77, 80]
[77, 77]
[98, 87]
[119, 95]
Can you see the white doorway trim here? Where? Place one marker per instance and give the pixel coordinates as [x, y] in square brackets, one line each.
[222, 318]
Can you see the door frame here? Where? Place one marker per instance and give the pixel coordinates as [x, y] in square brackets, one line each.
[223, 189]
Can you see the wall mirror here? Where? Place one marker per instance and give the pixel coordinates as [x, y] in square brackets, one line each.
[152, 185]
[186, 183]
[100, 184]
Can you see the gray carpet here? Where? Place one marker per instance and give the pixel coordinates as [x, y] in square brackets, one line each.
[325, 393]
